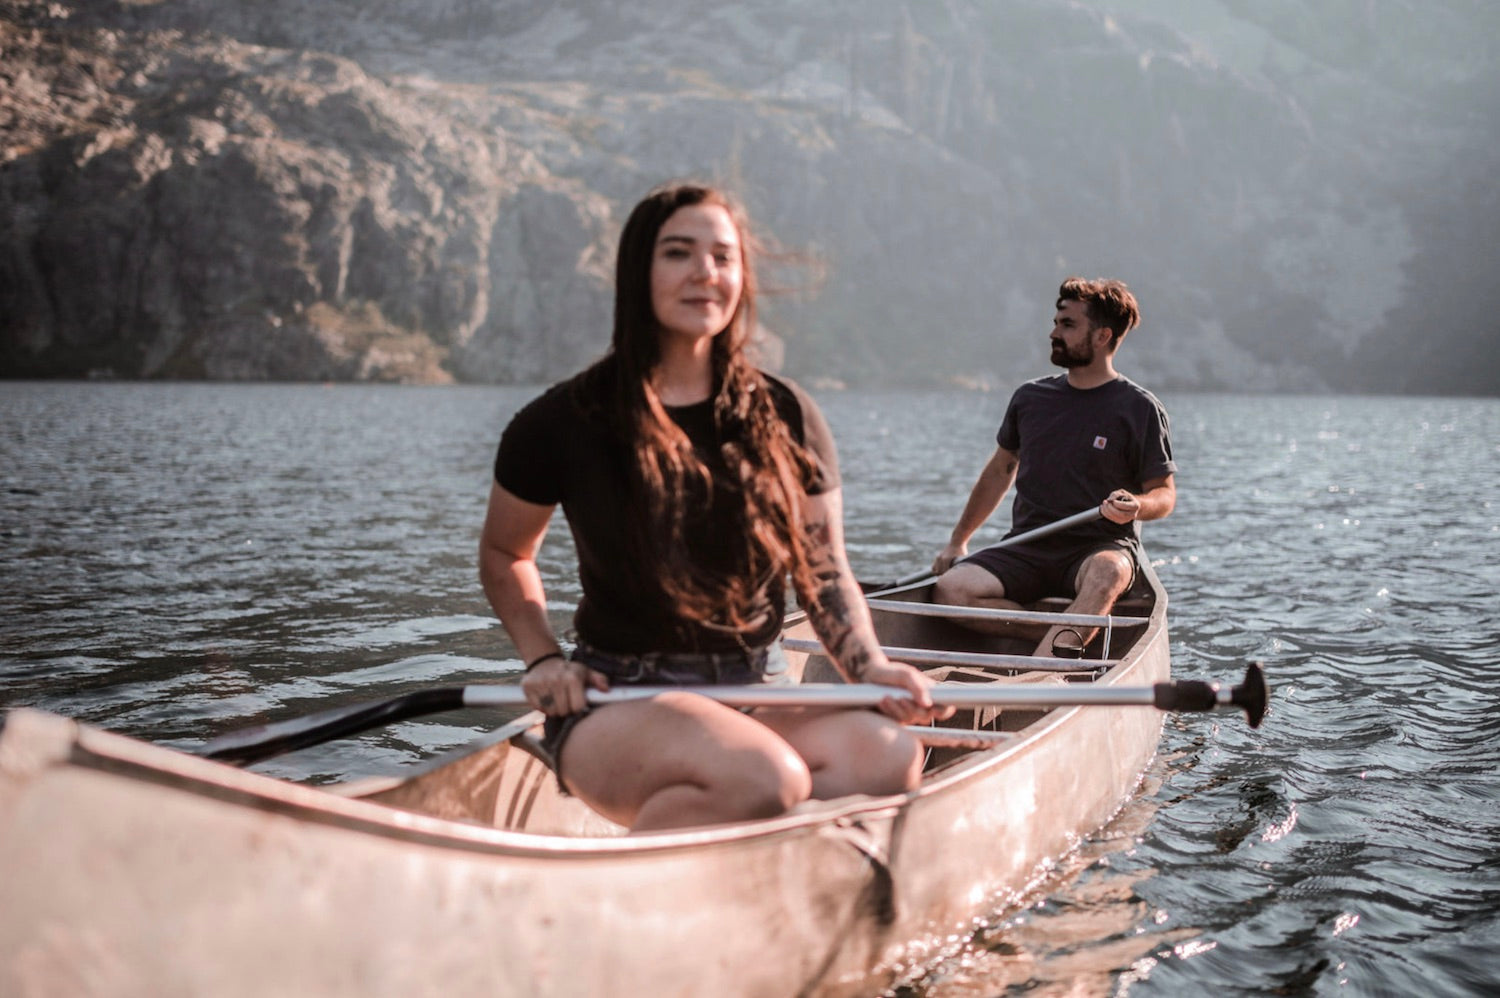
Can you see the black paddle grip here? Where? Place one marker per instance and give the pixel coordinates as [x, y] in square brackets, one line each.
[1251, 696]
[1185, 694]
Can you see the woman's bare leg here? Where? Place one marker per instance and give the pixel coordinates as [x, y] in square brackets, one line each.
[849, 751]
[680, 760]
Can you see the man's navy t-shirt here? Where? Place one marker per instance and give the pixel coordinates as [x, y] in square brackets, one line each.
[1076, 446]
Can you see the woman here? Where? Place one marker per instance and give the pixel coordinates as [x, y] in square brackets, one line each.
[694, 485]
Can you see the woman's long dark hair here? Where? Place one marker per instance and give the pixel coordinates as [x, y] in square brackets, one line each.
[767, 468]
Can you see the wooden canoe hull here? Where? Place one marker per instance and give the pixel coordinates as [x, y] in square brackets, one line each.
[133, 869]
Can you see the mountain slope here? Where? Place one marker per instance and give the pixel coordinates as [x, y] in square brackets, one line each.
[421, 191]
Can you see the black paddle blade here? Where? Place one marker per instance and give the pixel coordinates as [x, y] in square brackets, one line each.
[1253, 694]
[248, 745]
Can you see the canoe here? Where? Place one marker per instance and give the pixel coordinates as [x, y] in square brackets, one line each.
[134, 869]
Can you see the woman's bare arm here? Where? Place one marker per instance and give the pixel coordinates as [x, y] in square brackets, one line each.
[841, 617]
[508, 546]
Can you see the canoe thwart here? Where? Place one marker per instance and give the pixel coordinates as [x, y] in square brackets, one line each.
[1048, 617]
[937, 656]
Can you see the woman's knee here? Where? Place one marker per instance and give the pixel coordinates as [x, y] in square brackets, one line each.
[748, 767]
[732, 774]
[768, 784]
[887, 757]
[905, 755]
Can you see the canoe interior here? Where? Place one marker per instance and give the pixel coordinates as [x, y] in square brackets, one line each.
[508, 784]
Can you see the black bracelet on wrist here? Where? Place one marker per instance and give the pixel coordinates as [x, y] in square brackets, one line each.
[542, 658]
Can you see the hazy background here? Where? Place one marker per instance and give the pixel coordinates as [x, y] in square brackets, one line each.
[1302, 195]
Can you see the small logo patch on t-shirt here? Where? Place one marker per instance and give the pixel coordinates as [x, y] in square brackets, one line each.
[1100, 443]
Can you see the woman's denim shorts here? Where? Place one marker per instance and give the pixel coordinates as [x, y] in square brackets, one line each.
[739, 668]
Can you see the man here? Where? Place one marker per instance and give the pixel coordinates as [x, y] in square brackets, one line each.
[1068, 442]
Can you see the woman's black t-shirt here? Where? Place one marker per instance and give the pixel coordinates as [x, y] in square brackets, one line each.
[562, 448]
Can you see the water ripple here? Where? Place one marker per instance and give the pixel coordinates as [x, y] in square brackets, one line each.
[183, 559]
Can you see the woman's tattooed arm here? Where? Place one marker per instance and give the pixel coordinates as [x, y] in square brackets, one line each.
[841, 617]
[836, 607]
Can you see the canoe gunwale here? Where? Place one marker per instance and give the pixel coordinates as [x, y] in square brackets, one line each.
[105, 752]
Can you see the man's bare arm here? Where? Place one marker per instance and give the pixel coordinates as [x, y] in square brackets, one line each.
[996, 478]
[1157, 499]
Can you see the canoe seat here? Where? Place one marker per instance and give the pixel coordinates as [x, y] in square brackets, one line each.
[1126, 607]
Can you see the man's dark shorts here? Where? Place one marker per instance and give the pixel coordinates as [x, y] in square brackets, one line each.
[1048, 566]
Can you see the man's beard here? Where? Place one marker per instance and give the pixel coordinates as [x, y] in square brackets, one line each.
[1063, 357]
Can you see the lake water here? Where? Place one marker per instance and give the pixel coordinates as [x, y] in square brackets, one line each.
[183, 559]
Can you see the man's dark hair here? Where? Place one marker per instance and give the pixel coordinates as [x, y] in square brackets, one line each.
[1108, 303]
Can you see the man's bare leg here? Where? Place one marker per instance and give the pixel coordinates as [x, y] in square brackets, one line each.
[1102, 579]
[969, 585]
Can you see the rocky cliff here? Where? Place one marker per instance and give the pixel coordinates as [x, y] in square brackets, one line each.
[425, 190]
